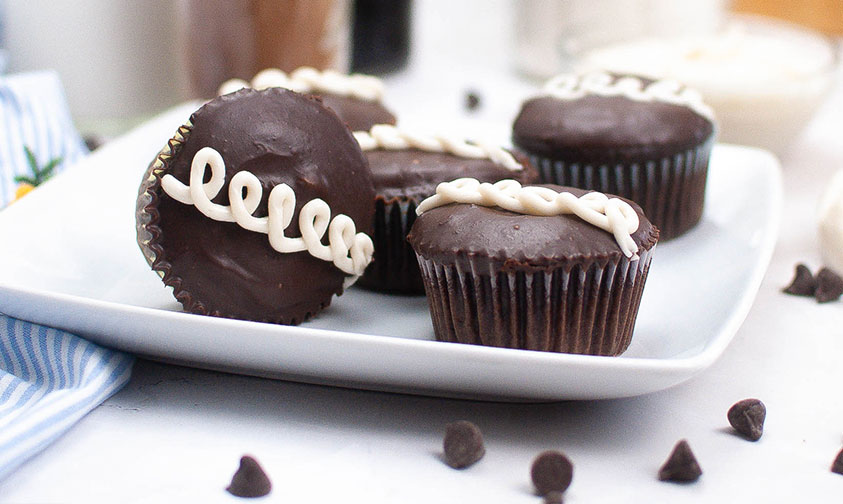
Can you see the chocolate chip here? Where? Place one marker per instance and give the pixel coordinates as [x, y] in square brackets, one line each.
[837, 465]
[551, 472]
[553, 497]
[747, 417]
[463, 444]
[472, 100]
[829, 286]
[93, 142]
[803, 284]
[249, 480]
[681, 466]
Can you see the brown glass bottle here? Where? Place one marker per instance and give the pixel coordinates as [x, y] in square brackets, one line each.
[381, 35]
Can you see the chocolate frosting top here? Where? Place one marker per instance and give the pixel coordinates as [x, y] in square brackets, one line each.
[280, 137]
[357, 114]
[516, 242]
[414, 173]
[594, 127]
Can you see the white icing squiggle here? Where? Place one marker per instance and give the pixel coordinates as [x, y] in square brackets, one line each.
[310, 80]
[386, 136]
[349, 250]
[572, 87]
[609, 214]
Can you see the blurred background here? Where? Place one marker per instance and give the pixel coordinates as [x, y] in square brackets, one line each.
[123, 62]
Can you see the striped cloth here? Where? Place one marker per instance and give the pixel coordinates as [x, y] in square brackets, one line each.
[34, 114]
[49, 380]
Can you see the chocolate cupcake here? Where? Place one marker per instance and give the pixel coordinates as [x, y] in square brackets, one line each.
[355, 98]
[645, 140]
[406, 168]
[272, 233]
[544, 268]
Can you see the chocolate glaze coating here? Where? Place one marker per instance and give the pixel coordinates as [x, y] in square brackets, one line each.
[358, 115]
[516, 242]
[413, 173]
[607, 128]
[219, 268]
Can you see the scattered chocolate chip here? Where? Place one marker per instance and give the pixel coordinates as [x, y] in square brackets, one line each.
[463, 444]
[681, 466]
[829, 286]
[837, 465]
[93, 142]
[249, 480]
[551, 472]
[747, 417]
[553, 497]
[803, 284]
[472, 100]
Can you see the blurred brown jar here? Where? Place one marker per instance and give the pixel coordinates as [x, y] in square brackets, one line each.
[823, 15]
[224, 39]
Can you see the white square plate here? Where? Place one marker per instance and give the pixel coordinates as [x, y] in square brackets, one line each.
[69, 259]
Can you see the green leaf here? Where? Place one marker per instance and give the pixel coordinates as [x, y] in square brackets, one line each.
[30, 158]
[41, 174]
[52, 164]
[47, 171]
[22, 179]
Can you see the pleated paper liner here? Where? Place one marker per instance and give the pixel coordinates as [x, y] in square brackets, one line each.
[394, 267]
[589, 308]
[670, 190]
[146, 210]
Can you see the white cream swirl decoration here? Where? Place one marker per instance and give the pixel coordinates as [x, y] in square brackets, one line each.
[311, 80]
[609, 214]
[573, 87]
[389, 137]
[349, 250]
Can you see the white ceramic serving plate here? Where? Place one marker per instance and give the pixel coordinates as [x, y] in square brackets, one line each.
[69, 259]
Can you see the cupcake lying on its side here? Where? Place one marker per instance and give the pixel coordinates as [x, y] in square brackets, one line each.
[406, 168]
[645, 140]
[253, 209]
[355, 98]
[537, 268]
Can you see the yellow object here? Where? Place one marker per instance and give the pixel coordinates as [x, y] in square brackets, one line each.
[823, 15]
[22, 190]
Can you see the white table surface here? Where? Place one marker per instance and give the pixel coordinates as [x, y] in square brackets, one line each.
[176, 434]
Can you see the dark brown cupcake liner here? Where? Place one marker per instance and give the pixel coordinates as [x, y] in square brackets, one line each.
[583, 309]
[394, 267]
[146, 210]
[670, 190]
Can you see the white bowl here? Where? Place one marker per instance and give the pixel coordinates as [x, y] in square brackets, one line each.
[764, 78]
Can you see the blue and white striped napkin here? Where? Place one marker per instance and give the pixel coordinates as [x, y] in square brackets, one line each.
[49, 380]
[34, 115]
